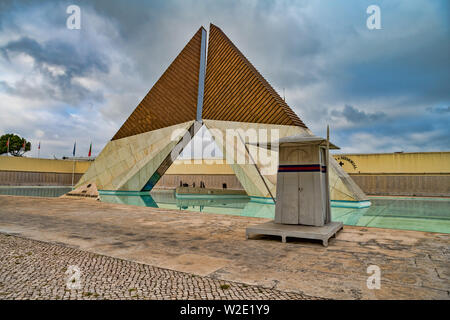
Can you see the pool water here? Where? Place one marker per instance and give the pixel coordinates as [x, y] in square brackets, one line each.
[34, 191]
[421, 214]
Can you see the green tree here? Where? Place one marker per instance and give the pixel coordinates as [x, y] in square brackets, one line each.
[15, 144]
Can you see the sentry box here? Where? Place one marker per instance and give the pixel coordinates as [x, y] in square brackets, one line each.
[303, 193]
[302, 208]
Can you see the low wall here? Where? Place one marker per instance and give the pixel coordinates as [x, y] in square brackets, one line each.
[406, 174]
[20, 171]
[27, 178]
[399, 174]
[211, 181]
[394, 185]
[404, 185]
[424, 163]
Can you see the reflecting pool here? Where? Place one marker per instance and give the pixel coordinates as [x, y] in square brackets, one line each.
[421, 214]
[34, 191]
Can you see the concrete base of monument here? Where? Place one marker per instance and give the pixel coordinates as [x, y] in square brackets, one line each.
[194, 193]
[323, 233]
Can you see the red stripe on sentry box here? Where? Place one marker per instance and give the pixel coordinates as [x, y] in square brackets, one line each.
[299, 168]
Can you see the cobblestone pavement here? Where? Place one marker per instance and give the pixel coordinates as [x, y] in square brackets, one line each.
[413, 264]
[32, 269]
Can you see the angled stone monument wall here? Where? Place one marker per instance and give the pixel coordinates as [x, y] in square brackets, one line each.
[224, 92]
[127, 164]
[238, 97]
[140, 152]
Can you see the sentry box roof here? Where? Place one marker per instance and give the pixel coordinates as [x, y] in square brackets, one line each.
[296, 140]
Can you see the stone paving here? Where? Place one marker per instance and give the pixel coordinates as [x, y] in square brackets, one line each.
[414, 265]
[31, 269]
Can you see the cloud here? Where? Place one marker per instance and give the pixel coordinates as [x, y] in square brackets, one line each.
[56, 64]
[56, 83]
[57, 53]
[439, 109]
[354, 115]
[379, 90]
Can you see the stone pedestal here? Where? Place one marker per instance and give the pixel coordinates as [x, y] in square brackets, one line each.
[323, 233]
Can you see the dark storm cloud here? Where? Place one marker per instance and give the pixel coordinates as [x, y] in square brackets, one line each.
[51, 54]
[357, 116]
[439, 110]
[417, 72]
[428, 132]
[57, 53]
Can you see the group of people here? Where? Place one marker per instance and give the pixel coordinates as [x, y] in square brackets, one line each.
[202, 184]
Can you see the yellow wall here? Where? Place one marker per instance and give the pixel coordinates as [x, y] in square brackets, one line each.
[190, 167]
[403, 163]
[400, 163]
[42, 165]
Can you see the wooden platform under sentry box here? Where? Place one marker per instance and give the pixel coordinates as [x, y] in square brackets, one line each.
[323, 233]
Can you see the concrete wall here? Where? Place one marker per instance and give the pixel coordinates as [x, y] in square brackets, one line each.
[191, 167]
[213, 175]
[20, 171]
[395, 163]
[406, 174]
[212, 181]
[26, 178]
[404, 185]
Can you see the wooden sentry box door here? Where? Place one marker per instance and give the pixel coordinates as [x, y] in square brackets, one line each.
[300, 194]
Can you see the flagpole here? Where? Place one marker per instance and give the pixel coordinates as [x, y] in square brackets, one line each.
[73, 170]
[73, 157]
[327, 175]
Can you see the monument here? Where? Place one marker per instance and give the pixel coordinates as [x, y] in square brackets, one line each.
[221, 91]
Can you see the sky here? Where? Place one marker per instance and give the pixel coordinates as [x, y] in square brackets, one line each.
[384, 90]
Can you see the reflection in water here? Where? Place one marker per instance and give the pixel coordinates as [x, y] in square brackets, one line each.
[410, 214]
[422, 214]
[34, 191]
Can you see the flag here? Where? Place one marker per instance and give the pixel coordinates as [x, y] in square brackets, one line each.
[74, 148]
[39, 146]
[90, 150]
[7, 143]
[7, 147]
[23, 145]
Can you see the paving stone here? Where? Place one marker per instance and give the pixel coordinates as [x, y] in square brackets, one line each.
[31, 269]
